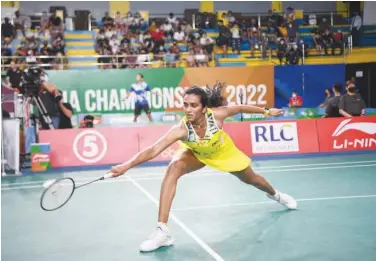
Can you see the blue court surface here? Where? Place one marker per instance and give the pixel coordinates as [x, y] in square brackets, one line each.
[214, 217]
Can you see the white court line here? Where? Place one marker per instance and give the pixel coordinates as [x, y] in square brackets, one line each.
[199, 241]
[152, 172]
[270, 202]
[199, 174]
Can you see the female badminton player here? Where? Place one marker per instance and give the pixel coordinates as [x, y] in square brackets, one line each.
[203, 142]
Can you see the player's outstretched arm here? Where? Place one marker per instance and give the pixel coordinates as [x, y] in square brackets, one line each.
[174, 134]
[228, 111]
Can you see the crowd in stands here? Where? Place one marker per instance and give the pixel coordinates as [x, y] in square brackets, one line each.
[44, 45]
[133, 42]
[130, 41]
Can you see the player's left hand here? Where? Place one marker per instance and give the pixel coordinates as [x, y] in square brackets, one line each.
[275, 112]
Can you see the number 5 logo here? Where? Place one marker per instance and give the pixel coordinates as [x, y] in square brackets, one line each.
[90, 146]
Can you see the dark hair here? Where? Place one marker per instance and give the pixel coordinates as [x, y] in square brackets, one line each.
[211, 97]
[89, 117]
[141, 75]
[337, 87]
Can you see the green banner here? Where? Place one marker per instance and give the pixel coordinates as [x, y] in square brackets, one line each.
[103, 91]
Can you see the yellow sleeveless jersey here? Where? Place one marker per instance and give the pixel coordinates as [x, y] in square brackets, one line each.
[216, 149]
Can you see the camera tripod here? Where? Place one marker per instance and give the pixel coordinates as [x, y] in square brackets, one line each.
[42, 110]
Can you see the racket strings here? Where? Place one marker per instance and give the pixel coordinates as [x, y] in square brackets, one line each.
[57, 194]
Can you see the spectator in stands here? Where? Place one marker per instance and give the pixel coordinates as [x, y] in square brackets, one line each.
[7, 30]
[144, 27]
[44, 22]
[224, 20]
[166, 27]
[56, 28]
[255, 40]
[18, 22]
[172, 20]
[236, 40]
[230, 18]
[201, 57]
[191, 58]
[351, 104]
[292, 55]
[45, 51]
[324, 25]
[179, 36]
[224, 37]
[331, 108]
[356, 24]
[328, 95]
[317, 39]
[296, 101]
[312, 19]
[107, 21]
[118, 22]
[327, 40]
[208, 48]
[338, 41]
[158, 38]
[114, 44]
[58, 45]
[5, 52]
[13, 77]
[281, 50]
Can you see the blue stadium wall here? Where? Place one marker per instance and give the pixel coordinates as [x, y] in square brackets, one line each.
[309, 81]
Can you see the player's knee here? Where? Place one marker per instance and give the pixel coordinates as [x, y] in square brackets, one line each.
[176, 168]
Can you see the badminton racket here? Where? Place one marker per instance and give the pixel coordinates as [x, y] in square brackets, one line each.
[60, 191]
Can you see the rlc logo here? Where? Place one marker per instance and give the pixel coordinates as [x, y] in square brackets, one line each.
[270, 133]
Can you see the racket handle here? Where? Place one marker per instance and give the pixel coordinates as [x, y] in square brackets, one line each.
[108, 176]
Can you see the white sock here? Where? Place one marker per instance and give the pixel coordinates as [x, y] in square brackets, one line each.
[164, 227]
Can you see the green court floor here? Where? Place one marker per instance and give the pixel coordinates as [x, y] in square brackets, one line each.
[215, 216]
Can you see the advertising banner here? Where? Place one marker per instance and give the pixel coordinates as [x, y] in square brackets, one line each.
[82, 147]
[283, 137]
[344, 134]
[104, 91]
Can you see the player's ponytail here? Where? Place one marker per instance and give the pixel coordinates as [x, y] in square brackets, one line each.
[209, 97]
[215, 98]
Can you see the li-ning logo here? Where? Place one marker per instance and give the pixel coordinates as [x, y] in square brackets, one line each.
[355, 143]
[367, 127]
[40, 158]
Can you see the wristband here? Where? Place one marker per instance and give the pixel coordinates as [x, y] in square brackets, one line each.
[266, 112]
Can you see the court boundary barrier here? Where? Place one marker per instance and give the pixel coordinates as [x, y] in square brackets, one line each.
[113, 145]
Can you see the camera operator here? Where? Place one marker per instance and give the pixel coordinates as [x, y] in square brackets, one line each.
[34, 83]
[331, 109]
[50, 98]
[88, 122]
[351, 104]
[65, 113]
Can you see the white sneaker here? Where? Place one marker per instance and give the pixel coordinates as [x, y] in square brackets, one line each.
[285, 199]
[159, 238]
